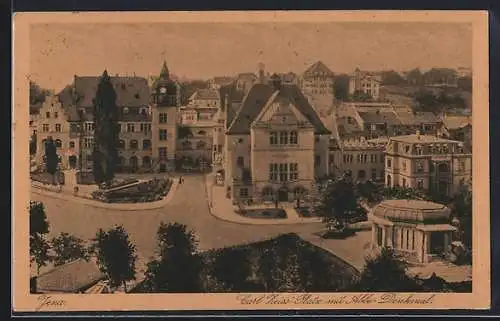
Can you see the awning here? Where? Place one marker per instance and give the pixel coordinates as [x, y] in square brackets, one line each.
[379, 220]
[436, 228]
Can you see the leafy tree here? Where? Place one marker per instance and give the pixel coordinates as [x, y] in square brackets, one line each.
[38, 219]
[370, 191]
[106, 134]
[39, 251]
[266, 269]
[386, 272]
[461, 206]
[68, 248]
[341, 87]
[179, 268]
[38, 94]
[338, 201]
[33, 144]
[465, 83]
[232, 269]
[393, 78]
[51, 158]
[398, 192]
[414, 77]
[39, 227]
[116, 255]
[359, 95]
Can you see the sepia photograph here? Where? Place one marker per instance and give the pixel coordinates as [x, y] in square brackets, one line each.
[262, 160]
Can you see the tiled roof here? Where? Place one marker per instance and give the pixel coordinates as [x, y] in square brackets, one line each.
[205, 94]
[388, 118]
[70, 278]
[133, 115]
[318, 69]
[421, 139]
[130, 91]
[411, 118]
[412, 211]
[257, 98]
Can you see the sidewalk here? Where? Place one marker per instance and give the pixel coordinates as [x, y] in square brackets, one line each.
[223, 209]
[65, 194]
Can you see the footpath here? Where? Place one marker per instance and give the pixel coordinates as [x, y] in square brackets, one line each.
[85, 198]
[222, 208]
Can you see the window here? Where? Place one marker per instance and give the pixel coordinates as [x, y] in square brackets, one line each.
[365, 158]
[219, 148]
[163, 118]
[121, 144]
[243, 192]
[420, 166]
[317, 160]
[373, 158]
[294, 171]
[58, 128]
[404, 165]
[283, 172]
[418, 149]
[162, 134]
[56, 114]
[134, 144]
[349, 120]
[145, 128]
[382, 158]
[130, 128]
[358, 158]
[283, 138]
[389, 163]
[71, 144]
[273, 172]
[344, 158]
[361, 174]
[89, 142]
[58, 143]
[146, 144]
[47, 114]
[273, 138]
[374, 174]
[293, 138]
[420, 183]
[45, 128]
[89, 126]
[240, 161]
[162, 153]
[461, 165]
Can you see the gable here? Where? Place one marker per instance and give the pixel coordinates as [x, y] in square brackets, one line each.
[280, 112]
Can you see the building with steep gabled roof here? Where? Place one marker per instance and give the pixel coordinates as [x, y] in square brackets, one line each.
[316, 82]
[276, 145]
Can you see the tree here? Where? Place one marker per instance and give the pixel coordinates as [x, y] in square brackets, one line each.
[414, 77]
[39, 251]
[385, 272]
[341, 87]
[68, 248]
[232, 269]
[39, 226]
[179, 268]
[359, 95]
[465, 83]
[116, 255]
[398, 192]
[369, 191]
[461, 207]
[51, 158]
[33, 144]
[106, 134]
[338, 201]
[38, 94]
[393, 78]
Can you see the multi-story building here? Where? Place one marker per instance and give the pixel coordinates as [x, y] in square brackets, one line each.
[426, 162]
[245, 81]
[53, 123]
[165, 104]
[365, 159]
[276, 145]
[317, 85]
[457, 127]
[365, 82]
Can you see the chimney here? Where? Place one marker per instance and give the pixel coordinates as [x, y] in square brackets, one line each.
[276, 82]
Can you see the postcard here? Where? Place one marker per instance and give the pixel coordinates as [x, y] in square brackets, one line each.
[250, 161]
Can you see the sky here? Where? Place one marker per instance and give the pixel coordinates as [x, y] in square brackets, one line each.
[204, 50]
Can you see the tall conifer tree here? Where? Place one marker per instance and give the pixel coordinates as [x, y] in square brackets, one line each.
[106, 139]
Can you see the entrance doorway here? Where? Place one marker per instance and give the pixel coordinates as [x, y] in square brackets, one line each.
[283, 195]
[437, 243]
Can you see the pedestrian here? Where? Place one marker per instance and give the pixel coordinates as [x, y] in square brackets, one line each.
[180, 180]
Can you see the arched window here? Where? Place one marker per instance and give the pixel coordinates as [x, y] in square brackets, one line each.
[146, 144]
[121, 144]
[58, 143]
[134, 144]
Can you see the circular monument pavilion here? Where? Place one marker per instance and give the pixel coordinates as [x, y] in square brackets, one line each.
[418, 230]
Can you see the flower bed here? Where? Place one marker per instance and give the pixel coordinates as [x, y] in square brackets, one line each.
[268, 213]
[149, 191]
[47, 178]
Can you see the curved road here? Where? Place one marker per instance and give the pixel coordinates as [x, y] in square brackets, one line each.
[188, 206]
